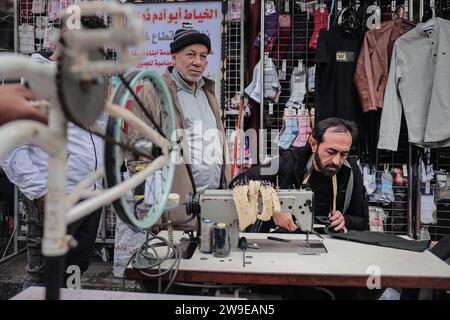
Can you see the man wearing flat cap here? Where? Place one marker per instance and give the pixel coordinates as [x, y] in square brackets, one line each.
[203, 146]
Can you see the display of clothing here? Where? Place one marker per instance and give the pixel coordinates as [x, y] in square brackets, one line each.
[418, 85]
[373, 63]
[336, 56]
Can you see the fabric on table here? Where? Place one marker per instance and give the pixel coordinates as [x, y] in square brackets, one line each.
[383, 240]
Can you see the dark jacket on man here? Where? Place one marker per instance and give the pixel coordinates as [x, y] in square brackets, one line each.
[291, 169]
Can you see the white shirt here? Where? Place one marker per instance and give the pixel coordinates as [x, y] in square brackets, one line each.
[418, 85]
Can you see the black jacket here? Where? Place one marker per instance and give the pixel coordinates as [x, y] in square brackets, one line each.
[291, 168]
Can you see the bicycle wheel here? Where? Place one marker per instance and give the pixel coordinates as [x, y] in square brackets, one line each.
[134, 208]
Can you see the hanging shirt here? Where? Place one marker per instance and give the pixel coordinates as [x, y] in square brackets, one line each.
[336, 56]
[205, 148]
[418, 84]
[373, 62]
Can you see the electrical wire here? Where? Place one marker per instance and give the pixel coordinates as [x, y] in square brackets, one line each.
[156, 261]
[95, 154]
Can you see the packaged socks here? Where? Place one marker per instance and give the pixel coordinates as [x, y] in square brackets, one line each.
[289, 130]
[304, 128]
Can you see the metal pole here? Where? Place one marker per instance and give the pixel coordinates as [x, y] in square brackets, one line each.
[16, 218]
[411, 10]
[242, 81]
[16, 26]
[261, 83]
[410, 192]
[421, 7]
[418, 198]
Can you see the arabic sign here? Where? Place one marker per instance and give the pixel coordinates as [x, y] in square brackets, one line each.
[163, 19]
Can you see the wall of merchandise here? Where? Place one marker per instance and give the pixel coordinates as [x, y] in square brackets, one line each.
[290, 41]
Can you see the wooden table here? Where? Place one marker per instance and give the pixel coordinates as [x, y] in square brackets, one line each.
[346, 264]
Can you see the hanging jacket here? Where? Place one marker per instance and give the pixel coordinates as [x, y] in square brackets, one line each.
[371, 72]
[418, 85]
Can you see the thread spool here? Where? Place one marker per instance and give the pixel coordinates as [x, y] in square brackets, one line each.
[206, 236]
[221, 240]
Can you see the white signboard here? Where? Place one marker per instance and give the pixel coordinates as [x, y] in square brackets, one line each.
[163, 19]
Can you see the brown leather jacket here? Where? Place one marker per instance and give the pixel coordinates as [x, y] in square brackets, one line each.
[371, 72]
[183, 181]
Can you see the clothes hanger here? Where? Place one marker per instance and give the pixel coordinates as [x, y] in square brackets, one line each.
[347, 20]
[429, 25]
[398, 15]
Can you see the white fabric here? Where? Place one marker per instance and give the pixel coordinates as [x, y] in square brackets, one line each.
[427, 209]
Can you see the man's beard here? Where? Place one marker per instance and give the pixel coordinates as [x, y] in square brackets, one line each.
[326, 170]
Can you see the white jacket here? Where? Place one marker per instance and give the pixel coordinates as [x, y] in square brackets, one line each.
[418, 86]
[27, 165]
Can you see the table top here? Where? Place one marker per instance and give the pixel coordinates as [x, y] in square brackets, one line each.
[346, 263]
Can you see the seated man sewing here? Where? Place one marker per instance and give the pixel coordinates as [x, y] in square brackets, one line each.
[324, 166]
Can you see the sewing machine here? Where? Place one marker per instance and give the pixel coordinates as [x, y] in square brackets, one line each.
[218, 206]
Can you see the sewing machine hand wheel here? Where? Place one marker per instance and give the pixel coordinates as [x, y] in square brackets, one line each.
[119, 162]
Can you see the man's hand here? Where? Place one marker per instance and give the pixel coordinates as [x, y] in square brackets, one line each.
[284, 220]
[40, 203]
[16, 103]
[337, 222]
